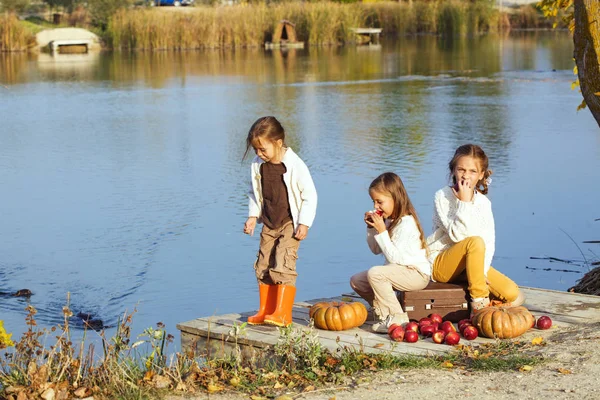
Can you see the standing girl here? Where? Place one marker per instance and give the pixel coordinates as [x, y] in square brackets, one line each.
[394, 230]
[283, 197]
[463, 238]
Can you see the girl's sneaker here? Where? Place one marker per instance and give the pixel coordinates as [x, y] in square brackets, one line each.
[383, 325]
[479, 304]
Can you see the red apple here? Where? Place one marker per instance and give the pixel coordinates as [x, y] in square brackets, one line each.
[425, 321]
[397, 334]
[436, 318]
[438, 336]
[452, 338]
[470, 332]
[544, 322]
[412, 326]
[392, 327]
[463, 322]
[447, 326]
[411, 336]
[462, 328]
[428, 330]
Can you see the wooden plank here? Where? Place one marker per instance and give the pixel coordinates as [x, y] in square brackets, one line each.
[215, 333]
[366, 31]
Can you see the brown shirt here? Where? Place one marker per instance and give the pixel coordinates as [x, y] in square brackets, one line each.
[276, 206]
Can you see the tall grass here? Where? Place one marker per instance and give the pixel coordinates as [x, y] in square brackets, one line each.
[14, 36]
[319, 23]
[47, 364]
[237, 26]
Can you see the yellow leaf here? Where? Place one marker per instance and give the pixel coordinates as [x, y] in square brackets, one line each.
[575, 70]
[309, 389]
[526, 368]
[378, 345]
[257, 398]
[537, 341]
[213, 388]
[597, 93]
[582, 105]
[235, 381]
[447, 364]
[564, 371]
[283, 397]
[277, 385]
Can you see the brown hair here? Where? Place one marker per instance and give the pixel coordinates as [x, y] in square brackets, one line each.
[389, 182]
[472, 150]
[265, 127]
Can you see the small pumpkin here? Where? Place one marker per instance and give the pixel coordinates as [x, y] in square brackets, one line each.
[338, 316]
[503, 322]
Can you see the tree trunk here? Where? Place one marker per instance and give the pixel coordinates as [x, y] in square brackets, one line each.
[587, 52]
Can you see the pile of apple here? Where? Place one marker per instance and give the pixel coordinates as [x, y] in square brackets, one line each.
[442, 331]
[435, 327]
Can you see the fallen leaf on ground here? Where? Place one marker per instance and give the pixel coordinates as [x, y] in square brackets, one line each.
[526, 368]
[378, 345]
[447, 364]
[564, 371]
[537, 341]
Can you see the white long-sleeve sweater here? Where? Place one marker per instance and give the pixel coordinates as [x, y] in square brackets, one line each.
[455, 220]
[403, 247]
[301, 190]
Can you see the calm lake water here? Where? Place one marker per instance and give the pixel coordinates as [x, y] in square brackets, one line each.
[122, 179]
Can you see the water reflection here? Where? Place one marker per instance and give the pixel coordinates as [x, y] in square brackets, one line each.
[123, 181]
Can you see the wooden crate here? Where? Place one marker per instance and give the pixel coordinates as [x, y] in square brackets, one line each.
[449, 300]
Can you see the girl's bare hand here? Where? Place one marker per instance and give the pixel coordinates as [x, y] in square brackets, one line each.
[301, 232]
[368, 220]
[463, 190]
[249, 226]
[376, 221]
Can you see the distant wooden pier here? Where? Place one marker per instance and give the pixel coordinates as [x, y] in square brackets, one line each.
[216, 335]
[367, 35]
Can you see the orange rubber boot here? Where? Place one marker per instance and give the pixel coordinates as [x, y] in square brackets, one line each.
[282, 316]
[268, 301]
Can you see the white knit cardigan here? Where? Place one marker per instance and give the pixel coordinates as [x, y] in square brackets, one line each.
[455, 220]
[301, 190]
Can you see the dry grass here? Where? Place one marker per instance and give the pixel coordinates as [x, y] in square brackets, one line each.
[320, 23]
[14, 36]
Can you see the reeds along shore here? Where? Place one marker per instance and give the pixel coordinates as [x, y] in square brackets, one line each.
[322, 23]
[14, 36]
[250, 25]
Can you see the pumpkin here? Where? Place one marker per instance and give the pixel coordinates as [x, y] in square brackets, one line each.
[502, 322]
[338, 316]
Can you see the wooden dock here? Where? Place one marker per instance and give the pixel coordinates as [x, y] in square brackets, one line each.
[367, 35]
[221, 334]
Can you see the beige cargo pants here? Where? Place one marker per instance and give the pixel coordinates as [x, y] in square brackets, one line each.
[377, 286]
[277, 255]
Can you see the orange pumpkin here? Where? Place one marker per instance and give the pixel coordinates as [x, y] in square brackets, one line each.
[503, 322]
[338, 316]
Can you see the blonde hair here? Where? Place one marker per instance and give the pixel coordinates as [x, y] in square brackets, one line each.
[390, 183]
